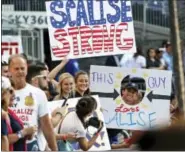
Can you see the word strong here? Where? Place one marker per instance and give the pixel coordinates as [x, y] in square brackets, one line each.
[98, 35]
[87, 28]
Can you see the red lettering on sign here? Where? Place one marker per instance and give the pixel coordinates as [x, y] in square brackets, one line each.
[125, 43]
[124, 109]
[85, 34]
[97, 36]
[97, 39]
[108, 40]
[74, 32]
[65, 49]
[11, 48]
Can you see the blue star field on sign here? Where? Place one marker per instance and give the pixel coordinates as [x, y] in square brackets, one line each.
[85, 12]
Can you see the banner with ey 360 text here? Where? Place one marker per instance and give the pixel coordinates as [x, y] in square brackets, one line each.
[87, 28]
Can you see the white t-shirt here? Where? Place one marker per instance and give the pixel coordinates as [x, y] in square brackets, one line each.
[72, 124]
[30, 104]
[162, 62]
[128, 61]
[40, 137]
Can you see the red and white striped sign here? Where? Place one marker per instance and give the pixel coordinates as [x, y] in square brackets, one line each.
[76, 33]
[10, 45]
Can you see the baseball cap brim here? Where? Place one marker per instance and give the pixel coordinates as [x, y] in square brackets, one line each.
[131, 86]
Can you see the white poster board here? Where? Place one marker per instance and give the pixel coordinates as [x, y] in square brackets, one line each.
[81, 28]
[10, 45]
[102, 143]
[152, 107]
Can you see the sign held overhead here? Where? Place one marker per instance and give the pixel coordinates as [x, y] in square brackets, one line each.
[82, 28]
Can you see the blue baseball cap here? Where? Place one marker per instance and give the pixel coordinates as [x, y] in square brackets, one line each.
[131, 85]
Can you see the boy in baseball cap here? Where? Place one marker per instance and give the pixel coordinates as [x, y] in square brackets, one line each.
[130, 94]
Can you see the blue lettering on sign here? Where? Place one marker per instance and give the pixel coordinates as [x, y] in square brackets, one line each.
[102, 77]
[58, 24]
[152, 118]
[156, 82]
[81, 13]
[70, 4]
[90, 6]
[141, 121]
[114, 18]
[85, 12]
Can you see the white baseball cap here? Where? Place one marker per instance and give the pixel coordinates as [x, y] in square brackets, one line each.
[162, 49]
[5, 83]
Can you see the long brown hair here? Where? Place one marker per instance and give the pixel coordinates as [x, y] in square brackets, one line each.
[87, 92]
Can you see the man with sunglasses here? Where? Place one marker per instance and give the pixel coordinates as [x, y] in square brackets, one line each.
[36, 78]
[33, 99]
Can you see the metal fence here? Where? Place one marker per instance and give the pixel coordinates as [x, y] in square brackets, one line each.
[148, 12]
[30, 41]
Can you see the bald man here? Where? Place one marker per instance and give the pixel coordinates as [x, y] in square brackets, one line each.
[30, 104]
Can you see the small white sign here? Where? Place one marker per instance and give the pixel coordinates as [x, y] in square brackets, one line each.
[10, 45]
[102, 143]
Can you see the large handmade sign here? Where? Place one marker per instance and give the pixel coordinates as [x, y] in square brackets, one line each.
[10, 45]
[87, 28]
[102, 143]
[135, 99]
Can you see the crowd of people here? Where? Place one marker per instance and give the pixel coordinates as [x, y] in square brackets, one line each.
[27, 86]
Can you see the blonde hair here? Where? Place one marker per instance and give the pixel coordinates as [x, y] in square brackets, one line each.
[61, 79]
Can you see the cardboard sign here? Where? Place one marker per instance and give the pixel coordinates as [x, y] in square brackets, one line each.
[135, 99]
[10, 45]
[87, 28]
[102, 143]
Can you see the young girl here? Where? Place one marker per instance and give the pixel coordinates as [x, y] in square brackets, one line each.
[152, 62]
[82, 84]
[75, 122]
[66, 87]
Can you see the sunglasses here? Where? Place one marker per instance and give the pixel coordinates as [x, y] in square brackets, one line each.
[11, 91]
[41, 76]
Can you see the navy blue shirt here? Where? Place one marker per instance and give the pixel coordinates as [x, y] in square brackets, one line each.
[4, 130]
[20, 144]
